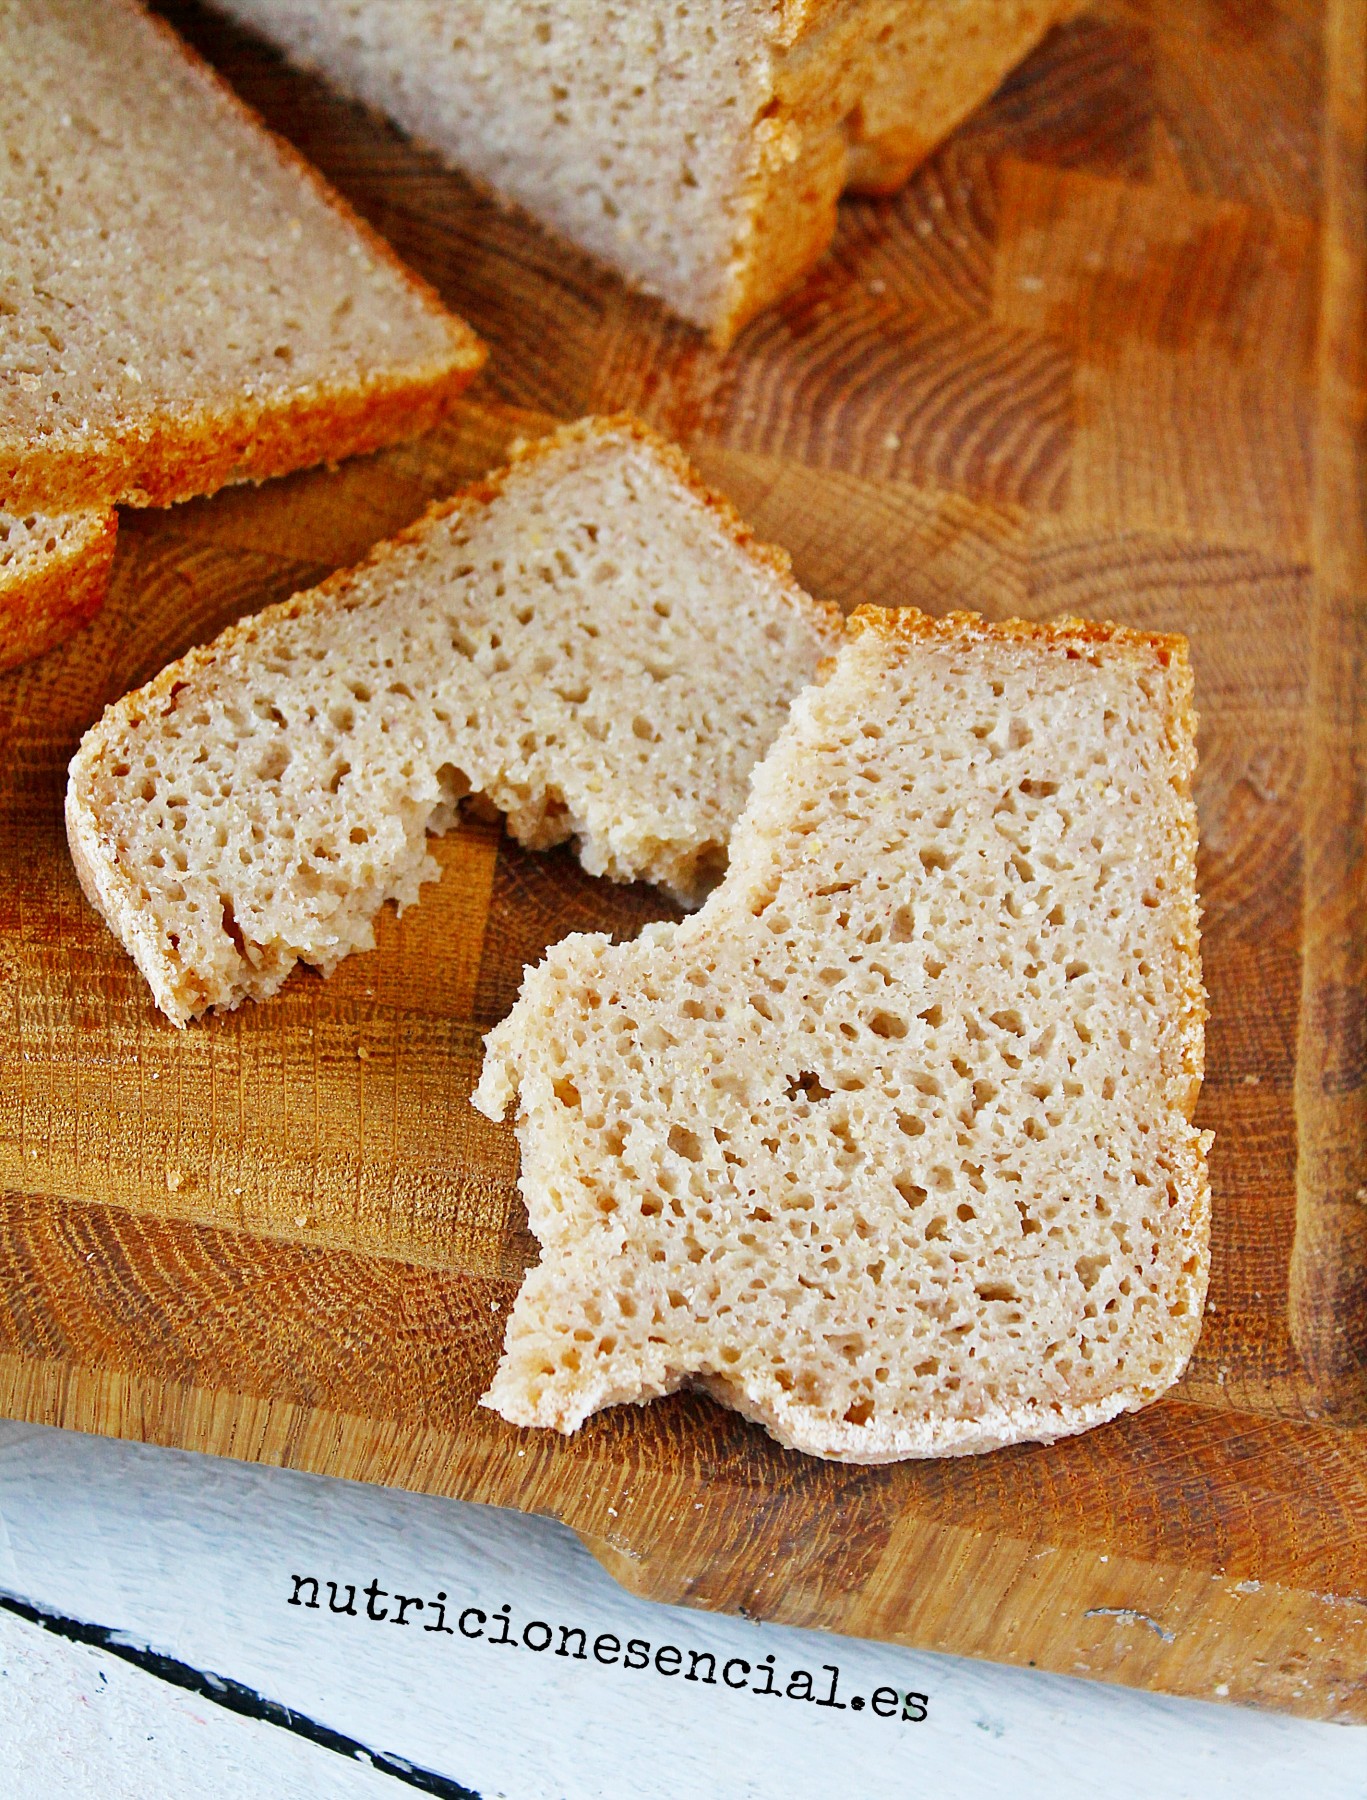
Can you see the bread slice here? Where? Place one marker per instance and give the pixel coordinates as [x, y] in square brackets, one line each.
[54, 573]
[889, 1146]
[699, 148]
[184, 302]
[590, 640]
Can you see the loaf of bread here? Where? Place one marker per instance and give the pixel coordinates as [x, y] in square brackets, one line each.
[589, 640]
[184, 302]
[53, 576]
[698, 146]
[889, 1146]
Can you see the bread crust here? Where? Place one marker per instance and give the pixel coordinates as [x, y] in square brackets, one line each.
[857, 104]
[167, 460]
[41, 610]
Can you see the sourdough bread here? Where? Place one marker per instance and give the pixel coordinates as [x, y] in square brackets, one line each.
[889, 1146]
[185, 303]
[698, 146]
[54, 573]
[589, 640]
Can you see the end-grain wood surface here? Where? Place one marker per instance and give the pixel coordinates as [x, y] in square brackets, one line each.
[1103, 355]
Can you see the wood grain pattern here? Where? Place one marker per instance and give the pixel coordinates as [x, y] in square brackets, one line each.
[1329, 1267]
[1102, 355]
[1194, 1547]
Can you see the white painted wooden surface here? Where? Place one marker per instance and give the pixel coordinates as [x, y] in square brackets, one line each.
[79, 1721]
[194, 1557]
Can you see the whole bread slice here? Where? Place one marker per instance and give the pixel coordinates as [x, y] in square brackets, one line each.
[590, 640]
[185, 303]
[698, 146]
[54, 574]
[889, 1146]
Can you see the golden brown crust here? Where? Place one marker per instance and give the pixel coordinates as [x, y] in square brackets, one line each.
[896, 624]
[44, 609]
[863, 91]
[169, 460]
[176, 459]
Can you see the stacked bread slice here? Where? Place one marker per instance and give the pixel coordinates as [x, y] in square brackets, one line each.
[698, 146]
[53, 574]
[890, 1145]
[184, 303]
[589, 640]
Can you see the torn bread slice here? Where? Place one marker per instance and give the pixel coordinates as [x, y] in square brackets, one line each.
[589, 639]
[890, 1145]
[54, 574]
[185, 302]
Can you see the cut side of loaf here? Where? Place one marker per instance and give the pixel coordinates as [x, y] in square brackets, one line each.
[697, 146]
[890, 1145]
[54, 574]
[185, 302]
[590, 640]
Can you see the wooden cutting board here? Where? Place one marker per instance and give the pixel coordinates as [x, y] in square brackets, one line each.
[1073, 367]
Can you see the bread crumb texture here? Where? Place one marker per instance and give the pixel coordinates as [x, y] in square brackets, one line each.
[626, 125]
[889, 1146]
[185, 302]
[590, 640]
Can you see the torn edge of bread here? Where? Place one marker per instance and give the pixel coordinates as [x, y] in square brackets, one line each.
[590, 639]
